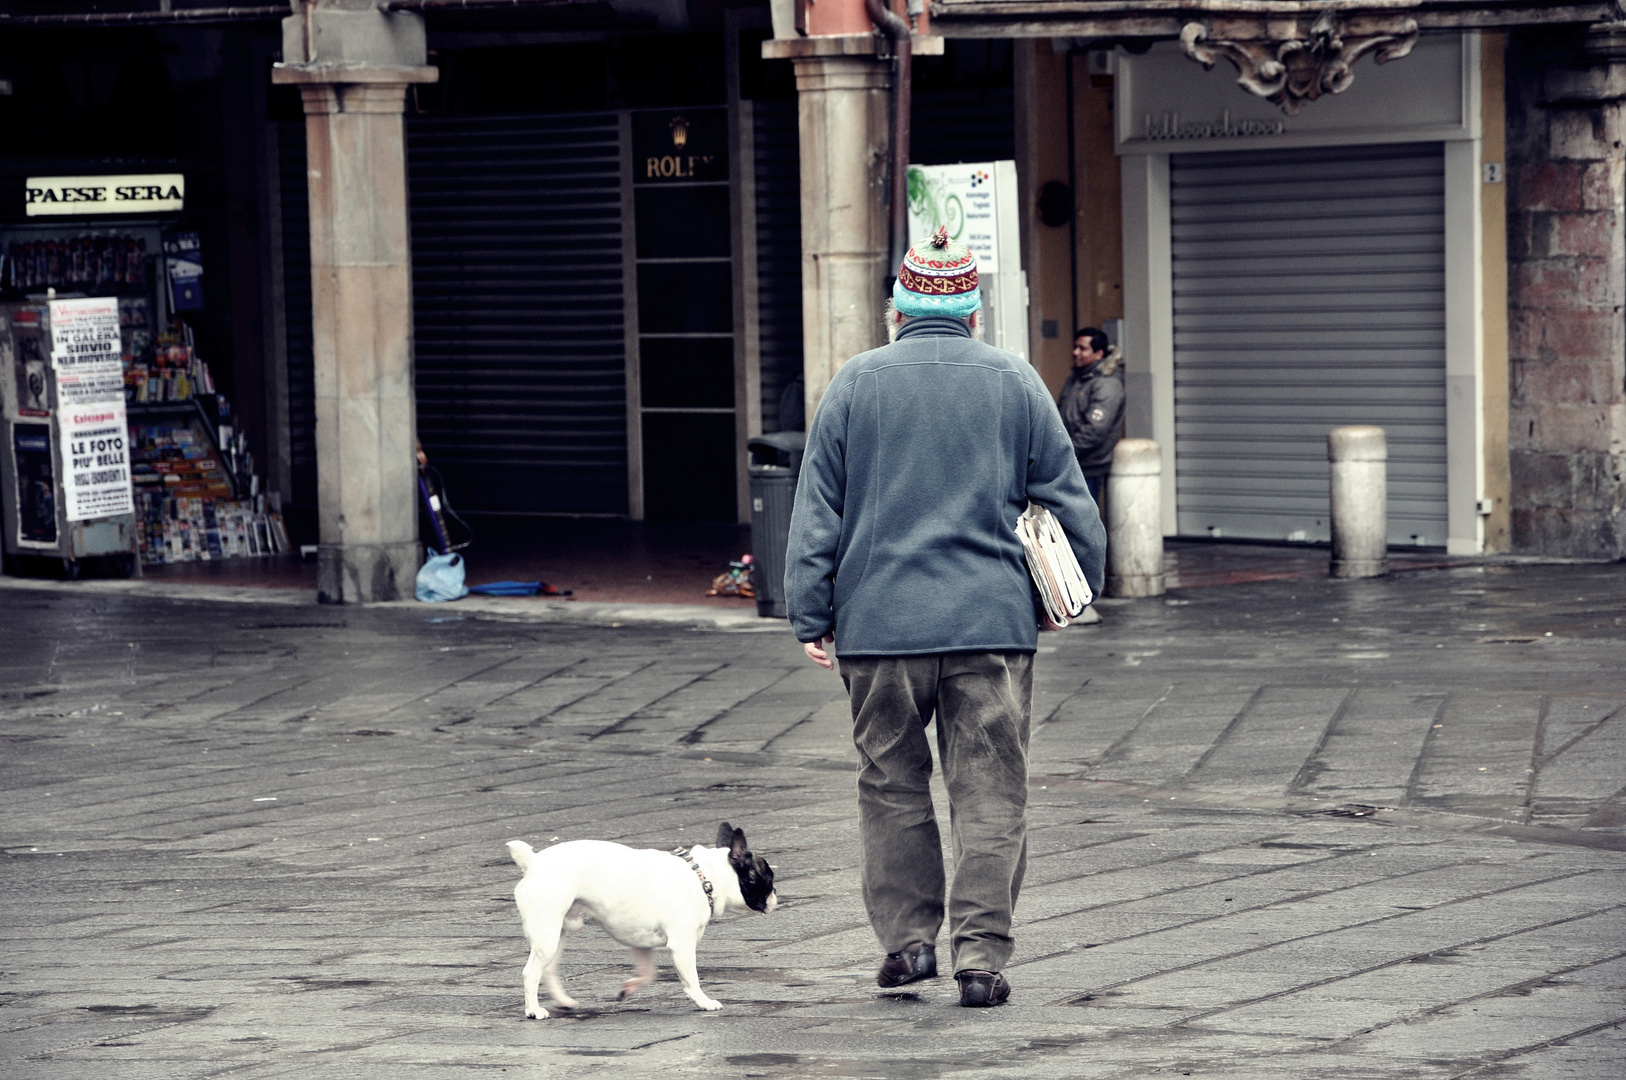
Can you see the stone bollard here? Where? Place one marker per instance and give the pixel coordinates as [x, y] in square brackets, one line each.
[1135, 519]
[1360, 501]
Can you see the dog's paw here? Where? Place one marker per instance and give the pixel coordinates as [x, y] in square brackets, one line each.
[565, 1002]
[709, 1004]
[537, 1013]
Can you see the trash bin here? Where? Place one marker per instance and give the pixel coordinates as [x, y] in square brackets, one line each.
[776, 462]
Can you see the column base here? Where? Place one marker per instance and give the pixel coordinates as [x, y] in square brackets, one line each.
[366, 573]
[1132, 586]
[1359, 568]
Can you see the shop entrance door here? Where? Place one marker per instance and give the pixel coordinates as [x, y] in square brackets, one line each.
[1309, 293]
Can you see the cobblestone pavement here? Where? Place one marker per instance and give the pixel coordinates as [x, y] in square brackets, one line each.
[1281, 830]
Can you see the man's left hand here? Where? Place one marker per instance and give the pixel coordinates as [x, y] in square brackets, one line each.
[816, 652]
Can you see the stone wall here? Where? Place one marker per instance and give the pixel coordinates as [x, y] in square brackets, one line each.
[1567, 287]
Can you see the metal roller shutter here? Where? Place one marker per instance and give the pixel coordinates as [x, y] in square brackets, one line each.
[296, 291]
[777, 160]
[519, 308]
[1309, 293]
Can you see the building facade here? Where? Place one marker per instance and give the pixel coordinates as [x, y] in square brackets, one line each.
[1427, 248]
[623, 229]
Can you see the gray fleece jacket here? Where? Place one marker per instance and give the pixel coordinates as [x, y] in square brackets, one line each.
[920, 459]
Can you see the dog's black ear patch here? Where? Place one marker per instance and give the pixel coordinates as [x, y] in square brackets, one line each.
[756, 876]
[739, 852]
[756, 880]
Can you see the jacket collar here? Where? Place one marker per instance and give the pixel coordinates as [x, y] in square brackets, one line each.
[934, 326]
[1110, 364]
[1108, 367]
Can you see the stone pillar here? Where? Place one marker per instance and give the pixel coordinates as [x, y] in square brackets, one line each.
[843, 90]
[1567, 290]
[1135, 519]
[1358, 457]
[361, 289]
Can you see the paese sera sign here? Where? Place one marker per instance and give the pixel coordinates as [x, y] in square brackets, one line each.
[46, 196]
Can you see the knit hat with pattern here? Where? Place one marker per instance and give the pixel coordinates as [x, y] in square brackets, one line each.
[938, 277]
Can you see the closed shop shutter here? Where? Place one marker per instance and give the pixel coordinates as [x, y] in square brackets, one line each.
[1309, 293]
[519, 308]
[296, 292]
[778, 179]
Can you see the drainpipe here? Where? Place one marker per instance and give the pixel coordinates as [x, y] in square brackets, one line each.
[894, 27]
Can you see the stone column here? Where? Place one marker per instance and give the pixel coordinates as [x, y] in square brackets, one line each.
[1135, 519]
[361, 291]
[1358, 458]
[843, 90]
[1566, 171]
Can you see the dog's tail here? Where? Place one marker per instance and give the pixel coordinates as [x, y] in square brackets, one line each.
[522, 853]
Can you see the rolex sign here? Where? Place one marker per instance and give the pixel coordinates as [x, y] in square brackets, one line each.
[680, 146]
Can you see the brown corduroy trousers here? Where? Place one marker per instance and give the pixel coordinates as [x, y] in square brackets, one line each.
[982, 702]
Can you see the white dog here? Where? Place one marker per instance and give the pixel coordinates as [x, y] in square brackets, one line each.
[643, 898]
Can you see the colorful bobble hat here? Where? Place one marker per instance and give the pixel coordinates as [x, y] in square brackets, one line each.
[938, 277]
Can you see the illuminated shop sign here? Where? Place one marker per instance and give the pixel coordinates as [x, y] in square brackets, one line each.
[46, 196]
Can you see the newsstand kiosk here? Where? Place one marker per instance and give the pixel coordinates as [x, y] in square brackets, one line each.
[77, 285]
[116, 444]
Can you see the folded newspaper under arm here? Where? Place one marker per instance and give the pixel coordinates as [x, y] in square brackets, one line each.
[1055, 569]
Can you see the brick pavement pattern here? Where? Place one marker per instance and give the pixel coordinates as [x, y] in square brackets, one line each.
[1338, 830]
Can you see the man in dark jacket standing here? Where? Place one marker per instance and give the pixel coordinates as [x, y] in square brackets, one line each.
[1092, 405]
[903, 552]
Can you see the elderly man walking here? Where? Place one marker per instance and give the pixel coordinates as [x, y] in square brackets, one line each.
[904, 557]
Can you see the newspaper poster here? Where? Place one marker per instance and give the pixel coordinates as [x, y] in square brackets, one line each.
[92, 432]
[95, 461]
[961, 199]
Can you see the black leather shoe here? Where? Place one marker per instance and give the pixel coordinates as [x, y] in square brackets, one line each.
[918, 960]
[982, 989]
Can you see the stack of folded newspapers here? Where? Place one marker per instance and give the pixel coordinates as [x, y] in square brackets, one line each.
[1055, 569]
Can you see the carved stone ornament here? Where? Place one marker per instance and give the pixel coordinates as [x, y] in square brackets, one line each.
[1299, 69]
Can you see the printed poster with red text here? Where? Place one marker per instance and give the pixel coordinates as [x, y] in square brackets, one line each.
[90, 407]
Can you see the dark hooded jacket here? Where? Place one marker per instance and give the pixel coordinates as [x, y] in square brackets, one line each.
[1092, 411]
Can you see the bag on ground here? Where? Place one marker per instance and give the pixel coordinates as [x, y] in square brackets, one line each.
[441, 578]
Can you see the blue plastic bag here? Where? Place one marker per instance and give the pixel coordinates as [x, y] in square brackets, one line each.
[441, 578]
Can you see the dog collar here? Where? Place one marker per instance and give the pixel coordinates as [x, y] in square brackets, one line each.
[684, 854]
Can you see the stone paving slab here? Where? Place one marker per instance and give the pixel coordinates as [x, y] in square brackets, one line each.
[1289, 829]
